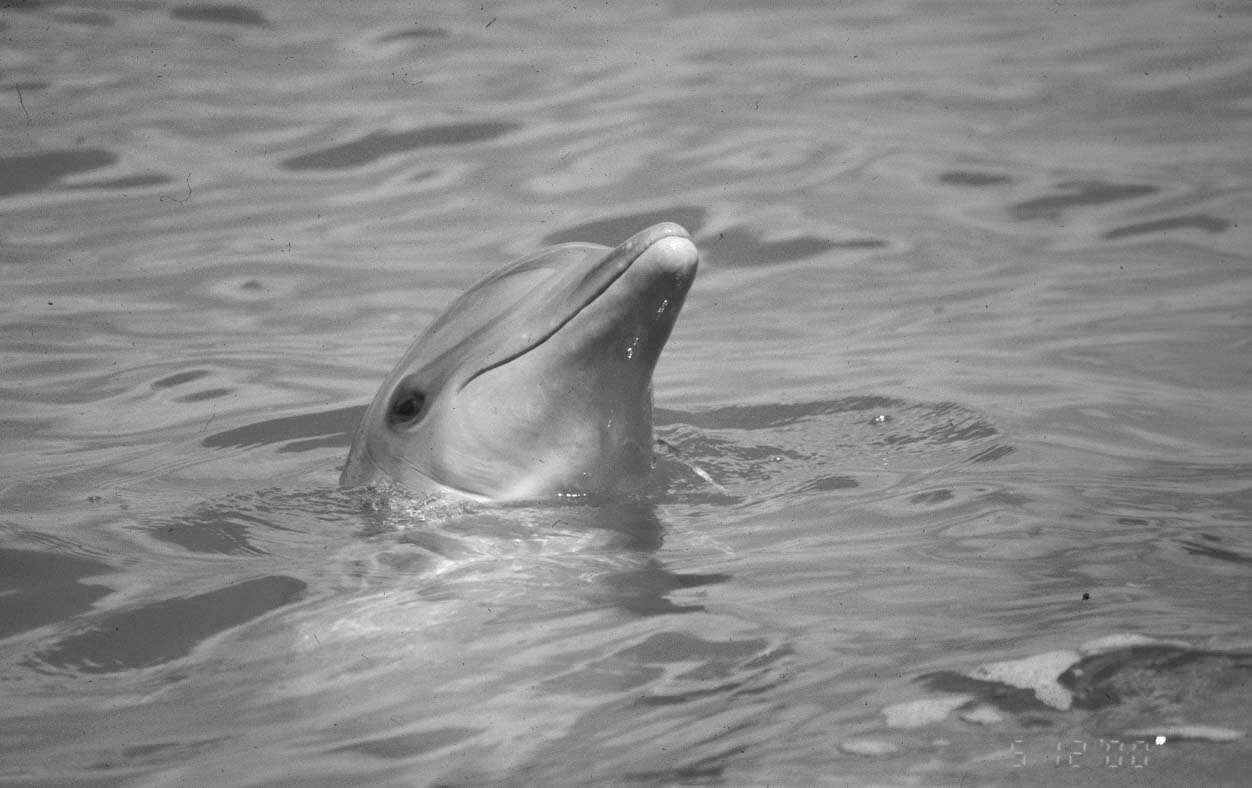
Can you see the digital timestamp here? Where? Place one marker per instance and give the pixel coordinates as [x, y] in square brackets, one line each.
[1085, 753]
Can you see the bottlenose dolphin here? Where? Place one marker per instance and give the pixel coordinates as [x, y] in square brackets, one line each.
[537, 381]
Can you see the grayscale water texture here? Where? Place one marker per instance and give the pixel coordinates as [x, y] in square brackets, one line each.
[963, 387]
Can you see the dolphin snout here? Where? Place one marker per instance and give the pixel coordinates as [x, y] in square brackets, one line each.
[675, 254]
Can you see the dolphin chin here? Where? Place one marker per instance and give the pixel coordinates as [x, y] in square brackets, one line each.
[537, 381]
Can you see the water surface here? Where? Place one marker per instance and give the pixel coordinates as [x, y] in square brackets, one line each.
[967, 362]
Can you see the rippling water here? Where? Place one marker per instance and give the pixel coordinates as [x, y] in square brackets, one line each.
[968, 365]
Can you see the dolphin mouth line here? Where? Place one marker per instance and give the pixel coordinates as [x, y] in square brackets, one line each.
[630, 251]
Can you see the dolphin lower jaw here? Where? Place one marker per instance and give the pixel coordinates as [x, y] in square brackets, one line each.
[562, 475]
[414, 479]
[363, 470]
[556, 442]
[533, 479]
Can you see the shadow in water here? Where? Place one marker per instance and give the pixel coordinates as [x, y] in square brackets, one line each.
[160, 632]
[38, 588]
[302, 432]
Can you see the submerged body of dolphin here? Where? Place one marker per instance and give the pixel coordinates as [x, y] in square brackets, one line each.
[536, 382]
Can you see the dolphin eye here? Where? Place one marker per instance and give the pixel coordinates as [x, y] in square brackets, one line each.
[407, 408]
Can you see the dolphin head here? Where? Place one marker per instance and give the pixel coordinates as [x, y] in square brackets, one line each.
[537, 381]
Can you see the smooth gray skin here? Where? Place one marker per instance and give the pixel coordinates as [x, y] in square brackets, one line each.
[536, 382]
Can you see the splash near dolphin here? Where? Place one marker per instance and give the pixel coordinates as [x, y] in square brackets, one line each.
[537, 381]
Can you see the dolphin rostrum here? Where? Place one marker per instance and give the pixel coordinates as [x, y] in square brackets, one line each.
[536, 382]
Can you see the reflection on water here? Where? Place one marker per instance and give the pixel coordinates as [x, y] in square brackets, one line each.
[377, 145]
[36, 171]
[961, 391]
